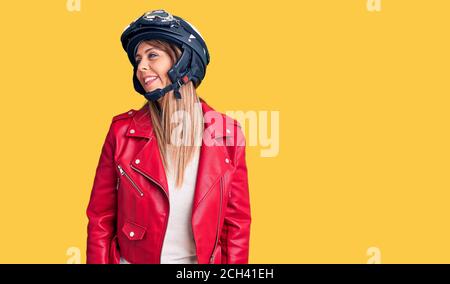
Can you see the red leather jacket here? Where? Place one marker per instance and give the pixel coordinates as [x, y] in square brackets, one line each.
[129, 205]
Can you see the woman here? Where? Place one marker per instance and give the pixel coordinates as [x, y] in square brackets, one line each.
[171, 183]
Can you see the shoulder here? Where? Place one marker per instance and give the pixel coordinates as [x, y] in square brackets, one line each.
[128, 114]
[231, 122]
[227, 127]
[234, 128]
[210, 113]
[120, 122]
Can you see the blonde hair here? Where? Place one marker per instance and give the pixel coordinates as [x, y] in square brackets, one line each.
[191, 122]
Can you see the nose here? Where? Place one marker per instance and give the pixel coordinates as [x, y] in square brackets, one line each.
[143, 66]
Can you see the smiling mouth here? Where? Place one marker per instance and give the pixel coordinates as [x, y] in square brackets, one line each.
[149, 80]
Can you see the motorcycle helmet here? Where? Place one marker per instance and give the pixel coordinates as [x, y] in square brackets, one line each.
[159, 24]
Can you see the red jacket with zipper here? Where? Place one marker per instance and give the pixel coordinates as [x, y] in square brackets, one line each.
[129, 205]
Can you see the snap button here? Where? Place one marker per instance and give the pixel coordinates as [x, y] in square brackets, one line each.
[227, 160]
[132, 131]
[228, 131]
[137, 161]
[131, 234]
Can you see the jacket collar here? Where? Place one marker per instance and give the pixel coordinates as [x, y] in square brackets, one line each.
[214, 160]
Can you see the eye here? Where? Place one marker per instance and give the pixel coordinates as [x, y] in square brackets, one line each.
[150, 56]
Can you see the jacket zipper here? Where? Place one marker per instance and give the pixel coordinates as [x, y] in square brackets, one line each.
[167, 216]
[122, 172]
[211, 260]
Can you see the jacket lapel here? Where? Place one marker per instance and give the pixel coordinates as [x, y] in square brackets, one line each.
[212, 161]
[147, 161]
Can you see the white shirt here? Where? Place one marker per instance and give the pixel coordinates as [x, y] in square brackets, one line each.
[179, 244]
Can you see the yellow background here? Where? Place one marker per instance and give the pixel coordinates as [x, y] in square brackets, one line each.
[363, 100]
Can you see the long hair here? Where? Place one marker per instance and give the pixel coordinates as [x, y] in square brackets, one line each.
[177, 123]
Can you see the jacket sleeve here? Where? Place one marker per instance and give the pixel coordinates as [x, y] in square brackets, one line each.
[102, 207]
[235, 233]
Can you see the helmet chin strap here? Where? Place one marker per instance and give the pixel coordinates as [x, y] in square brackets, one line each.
[158, 93]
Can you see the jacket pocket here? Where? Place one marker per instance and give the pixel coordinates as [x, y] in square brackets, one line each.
[133, 231]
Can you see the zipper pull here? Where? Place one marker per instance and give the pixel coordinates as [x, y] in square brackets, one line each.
[120, 169]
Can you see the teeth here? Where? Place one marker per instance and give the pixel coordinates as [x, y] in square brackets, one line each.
[149, 79]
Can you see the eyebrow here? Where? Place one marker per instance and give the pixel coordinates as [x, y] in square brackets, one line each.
[147, 50]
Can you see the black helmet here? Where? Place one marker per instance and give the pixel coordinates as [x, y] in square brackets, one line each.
[159, 24]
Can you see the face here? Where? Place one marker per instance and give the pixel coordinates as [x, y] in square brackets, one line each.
[153, 65]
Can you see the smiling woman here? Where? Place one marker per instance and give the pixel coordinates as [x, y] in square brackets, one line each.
[154, 58]
[155, 200]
